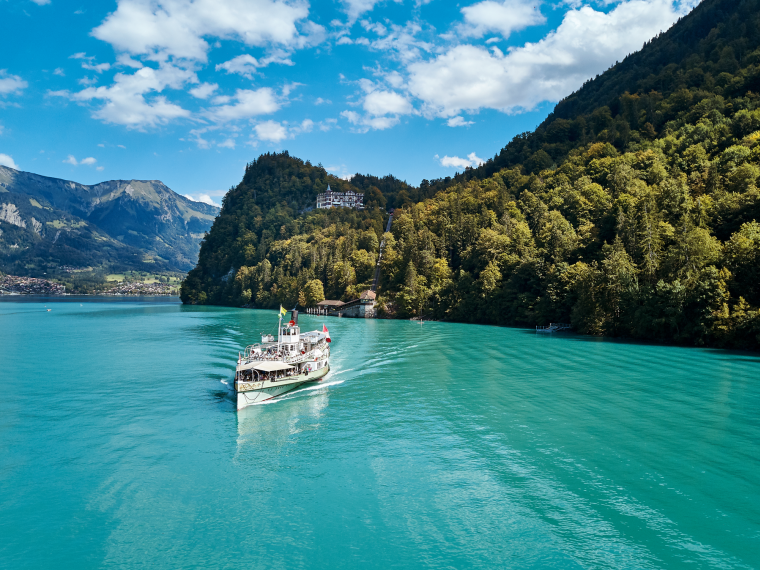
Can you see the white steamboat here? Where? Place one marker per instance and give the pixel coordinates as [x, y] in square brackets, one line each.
[272, 368]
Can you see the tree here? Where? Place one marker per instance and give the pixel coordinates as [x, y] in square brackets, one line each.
[313, 292]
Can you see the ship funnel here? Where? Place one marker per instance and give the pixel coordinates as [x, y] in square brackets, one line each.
[294, 316]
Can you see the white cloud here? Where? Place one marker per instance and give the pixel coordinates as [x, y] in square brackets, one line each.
[89, 161]
[355, 8]
[246, 65]
[271, 131]
[98, 68]
[59, 71]
[126, 61]
[125, 102]
[248, 104]
[228, 143]
[376, 27]
[468, 77]
[276, 132]
[88, 62]
[458, 122]
[6, 160]
[99, 168]
[320, 101]
[178, 27]
[365, 123]
[205, 198]
[472, 160]
[11, 84]
[386, 103]
[401, 42]
[503, 17]
[204, 90]
[41, 2]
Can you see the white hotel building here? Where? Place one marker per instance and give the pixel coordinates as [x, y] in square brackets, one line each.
[348, 199]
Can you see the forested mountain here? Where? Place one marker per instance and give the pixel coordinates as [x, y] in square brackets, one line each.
[632, 211]
[122, 224]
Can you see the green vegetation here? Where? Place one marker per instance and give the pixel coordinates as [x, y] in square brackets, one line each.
[632, 211]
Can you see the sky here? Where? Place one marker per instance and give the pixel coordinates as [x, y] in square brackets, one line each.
[188, 92]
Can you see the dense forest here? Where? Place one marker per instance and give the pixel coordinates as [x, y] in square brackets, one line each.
[631, 211]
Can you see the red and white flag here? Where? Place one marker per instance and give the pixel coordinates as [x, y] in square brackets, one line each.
[324, 330]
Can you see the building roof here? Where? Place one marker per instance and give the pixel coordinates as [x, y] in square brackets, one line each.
[328, 303]
[368, 295]
[266, 366]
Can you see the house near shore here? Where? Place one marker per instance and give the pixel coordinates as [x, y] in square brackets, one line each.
[361, 308]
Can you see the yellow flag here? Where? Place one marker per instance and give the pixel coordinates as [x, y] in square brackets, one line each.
[283, 312]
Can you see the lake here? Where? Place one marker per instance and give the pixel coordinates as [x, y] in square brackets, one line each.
[428, 446]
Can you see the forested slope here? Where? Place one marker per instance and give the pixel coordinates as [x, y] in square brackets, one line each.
[637, 218]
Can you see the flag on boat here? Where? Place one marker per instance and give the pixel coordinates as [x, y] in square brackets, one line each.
[324, 330]
[283, 312]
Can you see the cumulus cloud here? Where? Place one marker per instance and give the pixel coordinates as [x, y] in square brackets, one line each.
[275, 132]
[458, 122]
[246, 65]
[386, 103]
[89, 161]
[178, 27]
[204, 90]
[502, 17]
[455, 162]
[205, 198]
[355, 8]
[11, 84]
[468, 77]
[6, 160]
[248, 103]
[271, 131]
[130, 101]
[366, 123]
[88, 62]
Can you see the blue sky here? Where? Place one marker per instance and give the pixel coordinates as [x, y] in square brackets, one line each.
[188, 92]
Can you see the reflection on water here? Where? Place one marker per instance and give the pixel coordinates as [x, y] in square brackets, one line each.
[273, 423]
[435, 446]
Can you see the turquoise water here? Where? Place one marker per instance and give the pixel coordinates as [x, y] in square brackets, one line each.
[434, 446]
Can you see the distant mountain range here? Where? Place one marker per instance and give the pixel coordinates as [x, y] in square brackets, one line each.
[120, 224]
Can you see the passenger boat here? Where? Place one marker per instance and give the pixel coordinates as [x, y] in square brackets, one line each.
[271, 368]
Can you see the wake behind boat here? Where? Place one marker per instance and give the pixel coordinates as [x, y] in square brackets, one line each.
[272, 368]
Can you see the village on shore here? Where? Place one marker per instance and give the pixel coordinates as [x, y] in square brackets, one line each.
[15, 285]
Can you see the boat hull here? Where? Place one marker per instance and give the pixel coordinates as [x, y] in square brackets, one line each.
[249, 393]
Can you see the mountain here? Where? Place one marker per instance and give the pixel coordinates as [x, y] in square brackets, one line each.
[132, 224]
[631, 211]
[711, 51]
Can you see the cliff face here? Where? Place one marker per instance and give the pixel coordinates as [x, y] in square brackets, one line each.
[125, 222]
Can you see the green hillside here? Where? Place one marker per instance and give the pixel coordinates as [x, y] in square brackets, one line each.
[632, 211]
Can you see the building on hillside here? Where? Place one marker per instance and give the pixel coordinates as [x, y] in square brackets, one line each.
[350, 199]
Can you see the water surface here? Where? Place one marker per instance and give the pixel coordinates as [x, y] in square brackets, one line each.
[433, 446]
